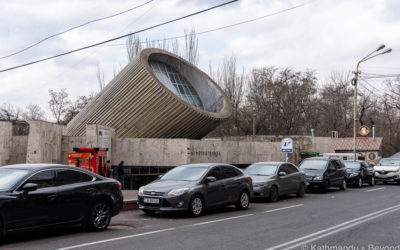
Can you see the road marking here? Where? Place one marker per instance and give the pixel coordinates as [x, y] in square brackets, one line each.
[335, 229]
[115, 239]
[229, 218]
[371, 190]
[282, 208]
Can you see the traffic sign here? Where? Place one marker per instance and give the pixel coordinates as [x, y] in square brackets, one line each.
[287, 145]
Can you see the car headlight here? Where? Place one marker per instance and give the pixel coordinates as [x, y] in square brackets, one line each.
[353, 175]
[140, 191]
[177, 192]
[318, 178]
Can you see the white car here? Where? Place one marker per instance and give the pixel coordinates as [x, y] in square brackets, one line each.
[388, 170]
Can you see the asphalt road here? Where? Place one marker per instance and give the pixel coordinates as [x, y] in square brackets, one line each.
[366, 218]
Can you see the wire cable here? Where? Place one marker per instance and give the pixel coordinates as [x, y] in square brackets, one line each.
[224, 27]
[73, 28]
[117, 38]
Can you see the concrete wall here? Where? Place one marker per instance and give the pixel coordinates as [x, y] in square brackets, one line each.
[173, 152]
[150, 152]
[19, 147]
[233, 152]
[44, 142]
[48, 144]
[12, 148]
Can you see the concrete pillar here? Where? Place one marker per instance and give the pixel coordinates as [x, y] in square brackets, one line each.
[44, 142]
[5, 141]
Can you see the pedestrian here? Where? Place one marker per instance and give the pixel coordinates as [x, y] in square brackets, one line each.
[121, 174]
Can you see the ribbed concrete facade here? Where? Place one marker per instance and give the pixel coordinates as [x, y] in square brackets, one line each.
[137, 105]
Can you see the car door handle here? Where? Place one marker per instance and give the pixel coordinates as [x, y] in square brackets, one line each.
[90, 190]
[52, 197]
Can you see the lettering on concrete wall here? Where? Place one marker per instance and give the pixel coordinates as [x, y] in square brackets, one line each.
[206, 153]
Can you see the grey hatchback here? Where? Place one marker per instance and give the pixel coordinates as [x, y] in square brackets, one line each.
[196, 187]
[273, 179]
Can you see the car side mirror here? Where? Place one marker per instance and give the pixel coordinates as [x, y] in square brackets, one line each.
[29, 187]
[210, 179]
[282, 173]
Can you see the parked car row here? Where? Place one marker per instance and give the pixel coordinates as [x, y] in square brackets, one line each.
[46, 195]
[194, 188]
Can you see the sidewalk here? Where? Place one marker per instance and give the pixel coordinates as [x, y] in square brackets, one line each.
[130, 199]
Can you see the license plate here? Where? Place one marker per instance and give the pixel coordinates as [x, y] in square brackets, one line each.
[151, 200]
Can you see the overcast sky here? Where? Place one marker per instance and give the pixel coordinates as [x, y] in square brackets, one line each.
[324, 36]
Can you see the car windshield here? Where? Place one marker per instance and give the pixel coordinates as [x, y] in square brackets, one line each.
[261, 169]
[389, 162]
[9, 177]
[313, 164]
[185, 173]
[352, 165]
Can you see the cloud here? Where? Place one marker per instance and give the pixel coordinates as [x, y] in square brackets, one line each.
[324, 36]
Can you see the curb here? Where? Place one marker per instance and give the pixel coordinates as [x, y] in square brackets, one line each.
[130, 205]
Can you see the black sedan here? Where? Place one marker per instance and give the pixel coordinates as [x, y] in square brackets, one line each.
[196, 187]
[36, 196]
[273, 179]
[359, 172]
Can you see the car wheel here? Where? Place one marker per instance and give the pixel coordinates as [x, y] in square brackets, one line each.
[196, 206]
[343, 186]
[301, 190]
[359, 183]
[325, 187]
[244, 200]
[147, 211]
[273, 194]
[372, 181]
[100, 216]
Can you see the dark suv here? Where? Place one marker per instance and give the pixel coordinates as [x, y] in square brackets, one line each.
[324, 172]
[359, 172]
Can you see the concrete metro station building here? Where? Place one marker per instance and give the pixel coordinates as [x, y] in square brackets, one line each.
[152, 116]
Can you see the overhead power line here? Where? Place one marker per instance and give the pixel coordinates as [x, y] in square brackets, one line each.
[223, 27]
[119, 37]
[73, 28]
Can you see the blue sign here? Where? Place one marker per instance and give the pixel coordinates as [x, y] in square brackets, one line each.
[287, 145]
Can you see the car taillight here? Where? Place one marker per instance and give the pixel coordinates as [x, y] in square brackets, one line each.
[250, 179]
[119, 186]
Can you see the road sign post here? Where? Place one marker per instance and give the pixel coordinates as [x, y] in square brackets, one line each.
[287, 147]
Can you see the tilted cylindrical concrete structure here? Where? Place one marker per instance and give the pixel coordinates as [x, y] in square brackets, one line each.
[157, 95]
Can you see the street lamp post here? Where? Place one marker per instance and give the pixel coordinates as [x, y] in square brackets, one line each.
[354, 82]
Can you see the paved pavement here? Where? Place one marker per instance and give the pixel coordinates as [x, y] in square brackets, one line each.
[130, 199]
[366, 218]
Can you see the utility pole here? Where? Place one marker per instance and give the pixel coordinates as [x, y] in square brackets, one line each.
[354, 82]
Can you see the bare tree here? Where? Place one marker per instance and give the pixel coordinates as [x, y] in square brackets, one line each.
[100, 77]
[191, 46]
[233, 85]
[33, 112]
[9, 112]
[78, 105]
[58, 103]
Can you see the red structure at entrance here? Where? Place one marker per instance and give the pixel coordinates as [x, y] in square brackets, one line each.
[91, 159]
